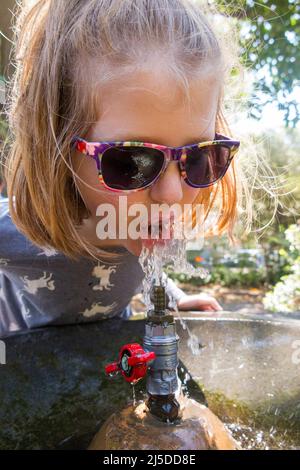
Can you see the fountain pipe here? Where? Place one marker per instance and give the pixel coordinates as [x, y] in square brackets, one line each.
[162, 339]
[159, 355]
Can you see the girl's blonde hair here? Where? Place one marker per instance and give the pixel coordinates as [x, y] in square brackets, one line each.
[64, 52]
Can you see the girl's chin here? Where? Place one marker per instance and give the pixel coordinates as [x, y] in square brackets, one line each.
[134, 246]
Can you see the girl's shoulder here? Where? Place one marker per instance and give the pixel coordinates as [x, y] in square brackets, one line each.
[8, 231]
[13, 244]
[6, 224]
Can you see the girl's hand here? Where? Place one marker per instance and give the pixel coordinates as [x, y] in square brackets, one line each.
[200, 301]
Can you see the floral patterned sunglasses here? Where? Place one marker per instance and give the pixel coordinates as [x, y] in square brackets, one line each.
[132, 166]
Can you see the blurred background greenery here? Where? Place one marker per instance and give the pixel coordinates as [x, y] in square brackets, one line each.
[269, 32]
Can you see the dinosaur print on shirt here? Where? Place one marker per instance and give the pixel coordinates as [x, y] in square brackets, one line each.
[96, 307]
[32, 285]
[103, 273]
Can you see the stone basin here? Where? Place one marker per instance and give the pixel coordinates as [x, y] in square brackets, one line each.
[54, 393]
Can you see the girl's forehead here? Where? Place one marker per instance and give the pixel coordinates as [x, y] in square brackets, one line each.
[161, 90]
[156, 106]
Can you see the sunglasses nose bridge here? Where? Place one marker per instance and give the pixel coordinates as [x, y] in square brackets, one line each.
[168, 157]
[174, 154]
[177, 153]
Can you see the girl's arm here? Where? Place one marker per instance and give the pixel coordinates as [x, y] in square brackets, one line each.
[201, 301]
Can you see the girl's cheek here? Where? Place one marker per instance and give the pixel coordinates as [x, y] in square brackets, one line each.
[86, 177]
[189, 194]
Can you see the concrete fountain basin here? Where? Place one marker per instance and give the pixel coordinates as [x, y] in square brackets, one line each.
[54, 393]
[249, 369]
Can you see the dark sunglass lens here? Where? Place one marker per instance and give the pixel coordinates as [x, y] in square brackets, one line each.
[130, 167]
[206, 165]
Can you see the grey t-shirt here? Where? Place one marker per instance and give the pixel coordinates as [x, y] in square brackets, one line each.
[40, 287]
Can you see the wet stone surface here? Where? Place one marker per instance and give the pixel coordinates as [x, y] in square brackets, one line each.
[54, 392]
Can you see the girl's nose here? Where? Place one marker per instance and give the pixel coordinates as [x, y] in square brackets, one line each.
[168, 187]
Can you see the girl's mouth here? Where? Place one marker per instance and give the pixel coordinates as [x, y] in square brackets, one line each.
[162, 230]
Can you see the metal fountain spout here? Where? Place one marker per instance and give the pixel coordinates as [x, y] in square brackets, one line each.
[159, 355]
[161, 338]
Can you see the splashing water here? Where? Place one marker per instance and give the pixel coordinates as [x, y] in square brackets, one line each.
[133, 393]
[193, 341]
[152, 260]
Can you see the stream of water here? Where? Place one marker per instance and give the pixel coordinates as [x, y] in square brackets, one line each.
[171, 253]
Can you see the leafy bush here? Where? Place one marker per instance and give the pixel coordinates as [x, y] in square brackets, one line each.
[285, 296]
[224, 276]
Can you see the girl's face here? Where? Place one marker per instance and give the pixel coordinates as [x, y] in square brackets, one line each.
[147, 109]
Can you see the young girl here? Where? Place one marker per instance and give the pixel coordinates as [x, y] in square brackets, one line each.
[91, 74]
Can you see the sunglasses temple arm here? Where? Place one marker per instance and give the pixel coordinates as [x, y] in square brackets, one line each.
[73, 142]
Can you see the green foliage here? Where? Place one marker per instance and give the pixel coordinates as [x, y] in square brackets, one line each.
[269, 39]
[281, 148]
[276, 266]
[226, 276]
[285, 296]
[3, 130]
[239, 277]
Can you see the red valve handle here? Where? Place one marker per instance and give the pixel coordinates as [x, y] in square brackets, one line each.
[133, 362]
